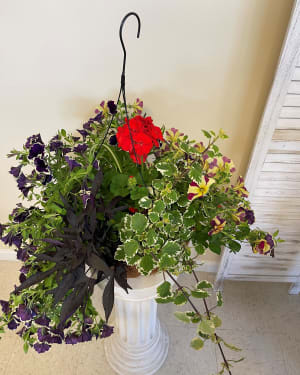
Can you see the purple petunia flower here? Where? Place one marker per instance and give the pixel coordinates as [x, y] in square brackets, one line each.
[15, 171]
[2, 227]
[112, 107]
[249, 216]
[43, 335]
[20, 217]
[55, 340]
[22, 255]
[80, 148]
[271, 243]
[73, 339]
[87, 125]
[47, 179]
[113, 140]
[106, 331]
[22, 181]
[86, 336]
[36, 138]
[72, 163]
[84, 133]
[99, 117]
[96, 164]
[36, 150]
[88, 321]
[4, 306]
[57, 332]
[23, 312]
[12, 324]
[41, 348]
[55, 145]
[40, 165]
[22, 278]
[42, 321]
[21, 331]
[25, 269]
[11, 239]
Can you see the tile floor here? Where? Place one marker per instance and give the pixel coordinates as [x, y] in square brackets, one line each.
[259, 317]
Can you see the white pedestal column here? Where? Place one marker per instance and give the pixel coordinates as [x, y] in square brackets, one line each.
[140, 343]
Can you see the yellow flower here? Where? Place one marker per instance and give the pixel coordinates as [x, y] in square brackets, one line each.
[240, 188]
[199, 190]
[218, 225]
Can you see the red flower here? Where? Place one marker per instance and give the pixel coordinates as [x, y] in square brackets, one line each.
[145, 135]
[132, 210]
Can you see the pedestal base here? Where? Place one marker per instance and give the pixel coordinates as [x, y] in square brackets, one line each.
[140, 343]
[126, 359]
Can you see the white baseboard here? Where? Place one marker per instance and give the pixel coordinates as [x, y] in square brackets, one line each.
[6, 254]
[209, 266]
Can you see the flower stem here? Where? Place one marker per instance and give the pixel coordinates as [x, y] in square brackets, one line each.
[114, 156]
[216, 336]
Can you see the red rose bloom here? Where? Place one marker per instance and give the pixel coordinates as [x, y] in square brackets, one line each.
[145, 135]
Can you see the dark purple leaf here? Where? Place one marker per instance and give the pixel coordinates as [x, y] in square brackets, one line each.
[34, 279]
[53, 242]
[71, 304]
[108, 297]
[99, 264]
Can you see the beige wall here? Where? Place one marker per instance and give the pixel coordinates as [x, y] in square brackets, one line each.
[198, 64]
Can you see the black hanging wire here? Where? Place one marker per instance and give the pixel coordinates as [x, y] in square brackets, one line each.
[123, 92]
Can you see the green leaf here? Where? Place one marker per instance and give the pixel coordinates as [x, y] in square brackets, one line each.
[232, 347]
[159, 207]
[183, 201]
[219, 299]
[204, 285]
[63, 132]
[154, 217]
[217, 321]
[206, 133]
[189, 222]
[170, 248]
[139, 222]
[158, 184]
[164, 289]
[195, 173]
[206, 327]
[180, 299]
[199, 293]
[166, 261]
[146, 263]
[234, 246]
[120, 253]
[25, 347]
[171, 197]
[164, 300]
[145, 202]
[131, 247]
[138, 192]
[215, 247]
[182, 316]
[166, 169]
[200, 249]
[151, 237]
[197, 343]
[119, 185]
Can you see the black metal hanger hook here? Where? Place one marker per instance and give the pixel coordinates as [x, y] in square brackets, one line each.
[122, 43]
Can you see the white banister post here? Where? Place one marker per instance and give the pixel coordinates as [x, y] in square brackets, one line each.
[140, 343]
